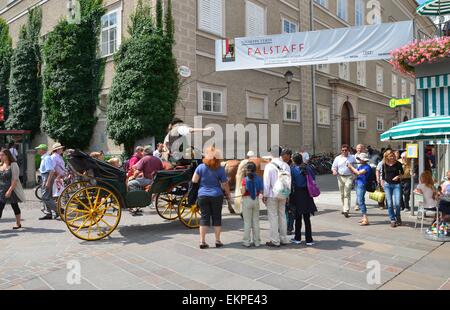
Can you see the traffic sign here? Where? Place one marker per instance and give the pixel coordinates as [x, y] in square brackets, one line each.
[399, 102]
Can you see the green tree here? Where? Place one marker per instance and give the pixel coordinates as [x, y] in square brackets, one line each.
[5, 67]
[25, 90]
[73, 77]
[146, 85]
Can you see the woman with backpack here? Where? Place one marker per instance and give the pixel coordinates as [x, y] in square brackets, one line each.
[301, 200]
[363, 174]
[251, 188]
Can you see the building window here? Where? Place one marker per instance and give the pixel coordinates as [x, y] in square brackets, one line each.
[291, 111]
[361, 71]
[257, 106]
[359, 13]
[255, 19]
[322, 2]
[342, 9]
[380, 124]
[380, 79]
[412, 89]
[211, 16]
[344, 70]
[362, 121]
[404, 89]
[394, 86]
[323, 68]
[323, 116]
[289, 26]
[110, 33]
[394, 123]
[212, 100]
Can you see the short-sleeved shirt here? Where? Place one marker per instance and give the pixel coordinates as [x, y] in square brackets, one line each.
[60, 166]
[390, 172]
[211, 181]
[362, 178]
[298, 177]
[340, 164]
[47, 164]
[149, 165]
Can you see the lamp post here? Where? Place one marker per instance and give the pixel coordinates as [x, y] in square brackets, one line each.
[288, 76]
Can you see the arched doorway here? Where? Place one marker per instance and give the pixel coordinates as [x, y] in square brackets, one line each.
[345, 123]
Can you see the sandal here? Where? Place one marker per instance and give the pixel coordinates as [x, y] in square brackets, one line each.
[204, 246]
[364, 223]
[219, 244]
[17, 227]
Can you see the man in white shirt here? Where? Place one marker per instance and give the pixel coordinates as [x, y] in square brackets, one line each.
[305, 155]
[345, 177]
[159, 151]
[276, 207]
[47, 170]
[13, 150]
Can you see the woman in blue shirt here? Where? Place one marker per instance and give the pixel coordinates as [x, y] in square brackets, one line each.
[301, 201]
[213, 182]
[363, 172]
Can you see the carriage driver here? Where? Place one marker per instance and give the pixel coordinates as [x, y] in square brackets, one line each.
[176, 141]
[147, 166]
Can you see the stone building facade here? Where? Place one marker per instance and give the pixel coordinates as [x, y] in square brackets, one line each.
[346, 109]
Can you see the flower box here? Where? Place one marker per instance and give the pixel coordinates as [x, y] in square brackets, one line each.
[420, 57]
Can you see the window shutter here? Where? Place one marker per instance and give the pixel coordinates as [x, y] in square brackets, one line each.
[255, 16]
[210, 16]
[256, 108]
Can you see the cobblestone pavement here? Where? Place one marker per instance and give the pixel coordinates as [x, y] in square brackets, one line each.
[150, 253]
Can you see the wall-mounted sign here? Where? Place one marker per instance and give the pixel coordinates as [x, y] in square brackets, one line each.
[399, 102]
[185, 71]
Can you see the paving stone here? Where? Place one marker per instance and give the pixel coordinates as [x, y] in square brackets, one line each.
[282, 282]
[243, 269]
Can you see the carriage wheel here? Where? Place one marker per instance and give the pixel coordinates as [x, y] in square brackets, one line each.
[189, 215]
[92, 213]
[65, 196]
[166, 206]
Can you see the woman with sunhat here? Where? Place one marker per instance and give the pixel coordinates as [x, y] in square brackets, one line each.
[60, 169]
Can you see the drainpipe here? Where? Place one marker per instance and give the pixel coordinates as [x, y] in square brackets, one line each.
[313, 82]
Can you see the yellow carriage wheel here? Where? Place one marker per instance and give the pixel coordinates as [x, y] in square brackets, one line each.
[92, 213]
[65, 196]
[189, 215]
[166, 206]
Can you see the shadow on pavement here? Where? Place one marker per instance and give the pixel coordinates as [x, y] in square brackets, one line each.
[331, 234]
[339, 244]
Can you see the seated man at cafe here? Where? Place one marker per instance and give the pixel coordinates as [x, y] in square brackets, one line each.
[145, 170]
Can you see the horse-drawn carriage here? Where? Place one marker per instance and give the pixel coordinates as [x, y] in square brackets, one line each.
[92, 206]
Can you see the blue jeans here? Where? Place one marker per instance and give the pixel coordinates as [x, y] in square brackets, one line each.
[393, 192]
[361, 198]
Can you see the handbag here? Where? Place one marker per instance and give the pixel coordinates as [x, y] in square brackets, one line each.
[378, 195]
[313, 189]
[193, 193]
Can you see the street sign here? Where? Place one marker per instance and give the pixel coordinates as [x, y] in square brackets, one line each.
[412, 151]
[185, 71]
[399, 102]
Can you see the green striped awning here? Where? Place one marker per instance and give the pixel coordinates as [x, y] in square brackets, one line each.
[436, 101]
[424, 129]
[434, 8]
[433, 81]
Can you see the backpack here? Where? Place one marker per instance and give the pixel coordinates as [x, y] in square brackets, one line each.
[371, 185]
[282, 187]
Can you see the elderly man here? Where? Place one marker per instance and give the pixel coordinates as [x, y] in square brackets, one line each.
[47, 170]
[276, 206]
[148, 166]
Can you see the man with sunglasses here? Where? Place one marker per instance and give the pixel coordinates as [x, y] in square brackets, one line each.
[345, 177]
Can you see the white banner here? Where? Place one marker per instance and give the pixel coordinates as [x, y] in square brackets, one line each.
[372, 42]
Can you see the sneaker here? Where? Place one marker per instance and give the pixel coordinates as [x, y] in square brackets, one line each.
[310, 243]
[393, 224]
[346, 214]
[46, 217]
[246, 245]
[272, 245]
[296, 242]
[357, 209]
